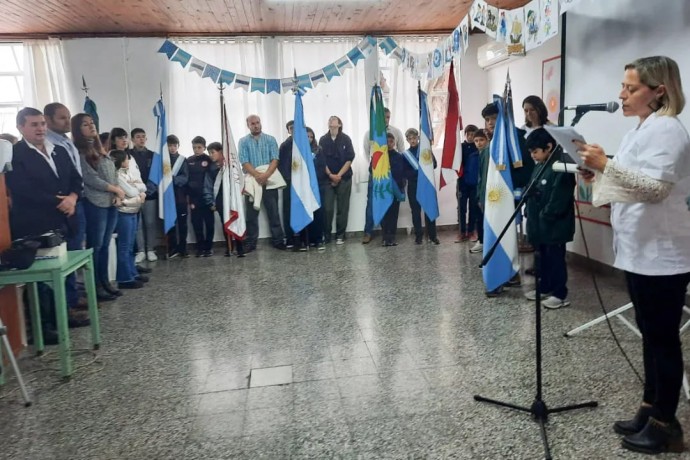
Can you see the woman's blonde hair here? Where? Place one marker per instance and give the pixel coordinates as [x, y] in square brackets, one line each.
[661, 70]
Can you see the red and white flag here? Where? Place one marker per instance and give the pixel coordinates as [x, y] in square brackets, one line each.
[451, 160]
[234, 222]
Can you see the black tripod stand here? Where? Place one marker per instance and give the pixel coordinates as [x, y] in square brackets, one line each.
[540, 412]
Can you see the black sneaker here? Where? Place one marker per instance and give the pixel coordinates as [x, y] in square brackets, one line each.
[208, 253]
[435, 241]
[143, 270]
[280, 246]
[173, 255]
[418, 240]
[142, 278]
[131, 285]
[184, 255]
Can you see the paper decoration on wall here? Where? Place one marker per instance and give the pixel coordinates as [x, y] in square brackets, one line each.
[226, 77]
[182, 57]
[565, 5]
[242, 81]
[197, 66]
[211, 72]
[491, 21]
[465, 28]
[502, 30]
[478, 15]
[549, 20]
[533, 24]
[168, 49]
[516, 30]
[258, 84]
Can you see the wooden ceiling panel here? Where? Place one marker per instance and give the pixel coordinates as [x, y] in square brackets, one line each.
[230, 17]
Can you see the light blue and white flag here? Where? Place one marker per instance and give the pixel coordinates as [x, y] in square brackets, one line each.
[426, 182]
[304, 191]
[161, 172]
[499, 205]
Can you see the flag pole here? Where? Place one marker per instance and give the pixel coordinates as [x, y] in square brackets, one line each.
[230, 240]
[160, 196]
[295, 90]
[84, 87]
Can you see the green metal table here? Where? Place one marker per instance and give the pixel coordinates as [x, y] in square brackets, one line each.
[53, 272]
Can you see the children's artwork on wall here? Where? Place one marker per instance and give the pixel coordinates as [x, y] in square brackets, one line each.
[478, 15]
[517, 30]
[464, 27]
[565, 5]
[551, 86]
[502, 31]
[491, 21]
[533, 23]
[549, 20]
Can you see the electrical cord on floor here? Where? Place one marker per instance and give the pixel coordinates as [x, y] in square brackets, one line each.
[49, 359]
[601, 301]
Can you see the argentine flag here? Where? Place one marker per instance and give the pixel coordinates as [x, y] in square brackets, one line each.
[426, 183]
[499, 205]
[304, 191]
[161, 172]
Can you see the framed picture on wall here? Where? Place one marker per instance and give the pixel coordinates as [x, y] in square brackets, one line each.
[551, 86]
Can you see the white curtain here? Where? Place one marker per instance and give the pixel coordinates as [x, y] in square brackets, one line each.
[194, 103]
[44, 73]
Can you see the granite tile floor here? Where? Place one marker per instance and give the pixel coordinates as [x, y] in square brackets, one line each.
[355, 352]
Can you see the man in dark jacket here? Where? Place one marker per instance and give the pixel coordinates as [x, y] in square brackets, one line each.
[285, 168]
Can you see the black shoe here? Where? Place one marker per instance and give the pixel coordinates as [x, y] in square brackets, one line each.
[626, 427]
[656, 438]
[143, 270]
[142, 278]
[77, 319]
[495, 293]
[103, 295]
[418, 240]
[173, 255]
[280, 246]
[228, 253]
[50, 337]
[199, 254]
[111, 290]
[208, 253]
[435, 241]
[515, 281]
[131, 285]
[184, 255]
[530, 271]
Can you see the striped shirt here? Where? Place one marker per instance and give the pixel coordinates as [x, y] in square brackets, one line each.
[259, 151]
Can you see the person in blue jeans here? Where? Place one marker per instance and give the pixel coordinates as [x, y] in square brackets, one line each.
[135, 194]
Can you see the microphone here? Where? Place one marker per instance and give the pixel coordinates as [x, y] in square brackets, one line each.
[609, 107]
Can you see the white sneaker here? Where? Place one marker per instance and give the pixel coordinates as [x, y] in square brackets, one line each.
[339, 241]
[554, 303]
[478, 247]
[151, 256]
[532, 295]
[140, 257]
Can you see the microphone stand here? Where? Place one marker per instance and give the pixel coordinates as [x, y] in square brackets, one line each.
[539, 410]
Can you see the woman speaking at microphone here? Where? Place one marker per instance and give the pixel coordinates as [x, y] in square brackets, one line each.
[651, 227]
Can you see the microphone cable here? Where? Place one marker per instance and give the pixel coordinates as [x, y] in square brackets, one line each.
[599, 298]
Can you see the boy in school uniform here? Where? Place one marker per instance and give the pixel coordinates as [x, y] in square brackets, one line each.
[550, 219]
[214, 200]
[481, 141]
[177, 236]
[203, 221]
[467, 188]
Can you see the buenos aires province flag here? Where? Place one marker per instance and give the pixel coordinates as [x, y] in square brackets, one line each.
[304, 191]
[499, 205]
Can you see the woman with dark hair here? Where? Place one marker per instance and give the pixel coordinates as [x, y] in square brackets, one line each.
[536, 114]
[118, 140]
[102, 194]
[315, 229]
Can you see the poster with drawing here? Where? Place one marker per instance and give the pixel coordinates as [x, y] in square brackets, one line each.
[478, 15]
[551, 86]
[549, 20]
[517, 30]
[565, 5]
[491, 21]
[502, 31]
[533, 24]
[465, 28]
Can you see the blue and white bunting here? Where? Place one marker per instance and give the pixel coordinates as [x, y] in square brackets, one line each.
[226, 77]
[182, 57]
[331, 71]
[317, 77]
[242, 81]
[388, 45]
[273, 86]
[343, 63]
[168, 48]
[197, 66]
[211, 72]
[258, 84]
